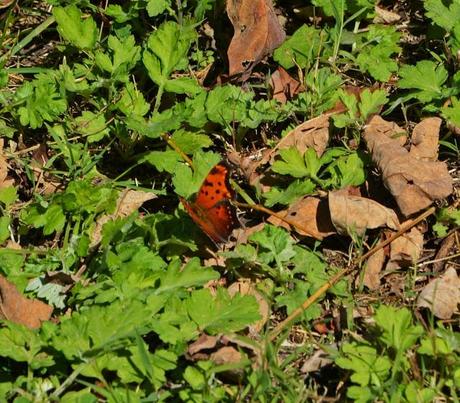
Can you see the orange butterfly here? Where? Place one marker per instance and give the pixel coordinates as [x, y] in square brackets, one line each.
[212, 210]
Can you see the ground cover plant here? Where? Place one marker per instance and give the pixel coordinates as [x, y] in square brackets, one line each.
[220, 200]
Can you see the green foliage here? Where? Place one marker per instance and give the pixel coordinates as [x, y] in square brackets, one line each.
[80, 32]
[375, 53]
[376, 366]
[88, 97]
[425, 80]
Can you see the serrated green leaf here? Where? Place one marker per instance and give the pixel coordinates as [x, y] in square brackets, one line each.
[222, 313]
[294, 191]
[80, 32]
[302, 48]
[166, 50]
[8, 195]
[425, 79]
[441, 14]
[132, 101]
[371, 102]
[292, 163]
[156, 7]
[91, 125]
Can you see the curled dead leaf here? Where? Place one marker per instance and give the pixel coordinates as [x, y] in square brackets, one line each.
[441, 295]
[257, 33]
[17, 308]
[414, 183]
[313, 133]
[5, 180]
[383, 16]
[425, 139]
[354, 215]
[406, 250]
[311, 214]
[284, 87]
[373, 268]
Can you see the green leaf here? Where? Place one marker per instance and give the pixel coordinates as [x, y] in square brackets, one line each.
[441, 14]
[42, 102]
[163, 161]
[302, 48]
[396, 324]
[192, 274]
[190, 142]
[132, 101]
[371, 102]
[156, 7]
[194, 378]
[91, 125]
[425, 79]
[367, 365]
[294, 191]
[292, 163]
[381, 43]
[221, 313]
[166, 50]
[5, 222]
[79, 32]
[276, 243]
[186, 182]
[452, 112]
[8, 195]
[183, 85]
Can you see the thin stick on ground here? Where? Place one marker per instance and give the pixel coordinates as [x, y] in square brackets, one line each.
[342, 273]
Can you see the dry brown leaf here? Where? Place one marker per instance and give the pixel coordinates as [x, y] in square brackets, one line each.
[406, 250]
[354, 215]
[313, 133]
[128, 202]
[310, 213]
[6, 3]
[284, 86]
[318, 360]
[204, 342]
[5, 181]
[425, 139]
[17, 308]
[226, 355]
[374, 266]
[257, 33]
[245, 287]
[441, 295]
[383, 16]
[414, 183]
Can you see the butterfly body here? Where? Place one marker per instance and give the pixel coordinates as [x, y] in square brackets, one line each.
[212, 210]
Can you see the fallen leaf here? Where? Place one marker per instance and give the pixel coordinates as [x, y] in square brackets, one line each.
[257, 33]
[226, 355]
[414, 183]
[318, 360]
[447, 248]
[374, 265]
[406, 250]
[383, 16]
[245, 287]
[309, 213]
[204, 342]
[425, 139]
[5, 180]
[128, 202]
[313, 133]
[17, 308]
[284, 86]
[6, 3]
[354, 214]
[441, 295]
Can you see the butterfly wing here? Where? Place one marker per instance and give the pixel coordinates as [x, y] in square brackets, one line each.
[212, 210]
